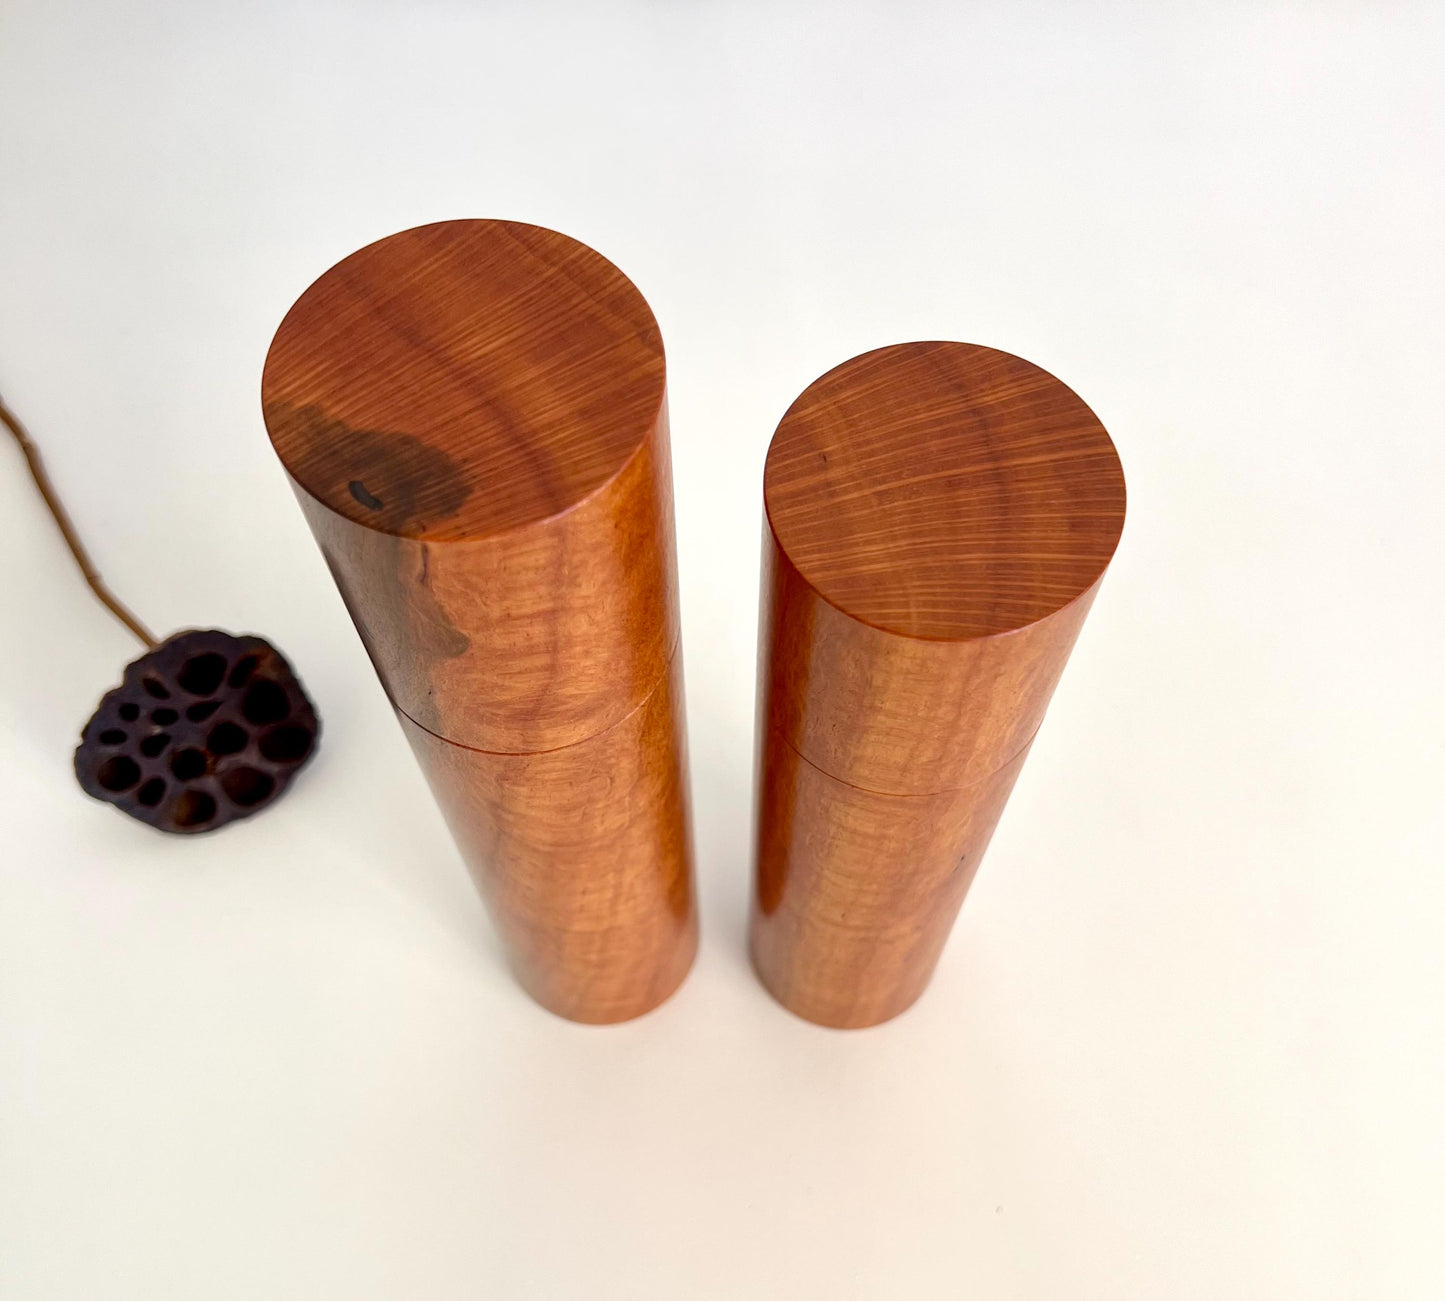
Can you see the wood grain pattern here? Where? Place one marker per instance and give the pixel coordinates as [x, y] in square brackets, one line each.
[939, 517]
[474, 418]
[944, 492]
[581, 856]
[525, 366]
[856, 891]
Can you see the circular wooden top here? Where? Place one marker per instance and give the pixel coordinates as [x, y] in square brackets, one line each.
[944, 491]
[462, 379]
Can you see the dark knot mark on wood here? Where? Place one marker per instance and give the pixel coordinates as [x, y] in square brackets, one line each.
[399, 487]
[405, 483]
[358, 490]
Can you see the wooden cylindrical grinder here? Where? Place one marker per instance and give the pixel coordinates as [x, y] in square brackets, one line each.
[473, 415]
[938, 519]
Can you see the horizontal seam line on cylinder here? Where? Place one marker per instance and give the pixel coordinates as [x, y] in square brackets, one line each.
[906, 795]
[527, 754]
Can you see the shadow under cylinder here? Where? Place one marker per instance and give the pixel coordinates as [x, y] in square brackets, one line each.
[473, 415]
[938, 519]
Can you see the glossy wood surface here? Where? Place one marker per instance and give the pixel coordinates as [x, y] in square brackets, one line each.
[938, 520]
[474, 416]
[944, 491]
[901, 715]
[583, 856]
[474, 419]
[856, 891]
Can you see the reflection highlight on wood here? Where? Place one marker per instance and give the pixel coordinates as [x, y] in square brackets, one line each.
[938, 520]
[474, 418]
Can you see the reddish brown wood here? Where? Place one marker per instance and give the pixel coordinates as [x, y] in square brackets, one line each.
[474, 418]
[939, 518]
[562, 873]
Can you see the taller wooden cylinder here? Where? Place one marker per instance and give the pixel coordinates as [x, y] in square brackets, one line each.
[473, 415]
[938, 519]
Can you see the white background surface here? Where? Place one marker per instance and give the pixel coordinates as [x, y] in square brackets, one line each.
[1187, 1040]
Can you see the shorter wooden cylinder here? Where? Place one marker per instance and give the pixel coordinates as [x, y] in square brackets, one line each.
[474, 418]
[938, 519]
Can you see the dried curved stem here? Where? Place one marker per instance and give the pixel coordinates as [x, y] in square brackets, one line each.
[67, 529]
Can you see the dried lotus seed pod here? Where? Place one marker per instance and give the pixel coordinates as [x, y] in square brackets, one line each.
[204, 729]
